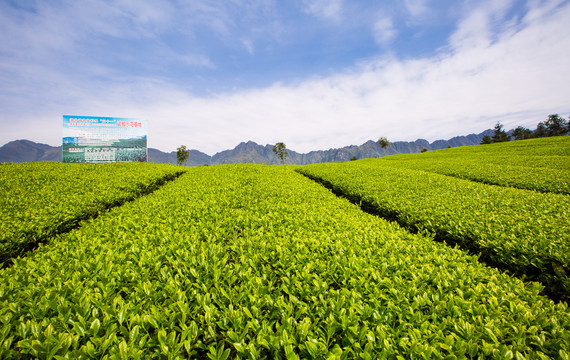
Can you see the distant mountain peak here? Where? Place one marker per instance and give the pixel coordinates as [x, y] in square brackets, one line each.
[29, 151]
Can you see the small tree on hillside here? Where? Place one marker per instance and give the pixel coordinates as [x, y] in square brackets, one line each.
[279, 150]
[556, 125]
[384, 143]
[486, 140]
[500, 135]
[522, 133]
[541, 130]
[182, 155]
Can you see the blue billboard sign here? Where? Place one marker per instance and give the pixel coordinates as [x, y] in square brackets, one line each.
[96, 139]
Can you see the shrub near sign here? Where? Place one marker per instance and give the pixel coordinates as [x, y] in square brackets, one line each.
[96, 139]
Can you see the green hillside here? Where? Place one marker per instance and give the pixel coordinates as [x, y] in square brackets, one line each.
[261, 262]
[534, 164]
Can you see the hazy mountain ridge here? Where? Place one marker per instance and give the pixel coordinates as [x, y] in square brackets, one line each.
[28, 151]
[251, 152]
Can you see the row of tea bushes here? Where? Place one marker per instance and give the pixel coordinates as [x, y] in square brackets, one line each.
[259, 262]
[540, 179]
[535, 164]
[40, 200]
[524, 231]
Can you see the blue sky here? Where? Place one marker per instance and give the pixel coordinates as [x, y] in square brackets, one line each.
[314, 74]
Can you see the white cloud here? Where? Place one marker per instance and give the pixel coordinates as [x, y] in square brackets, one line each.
[515, 80]
[417, 8]
[248, 45]
[125, 18]
[329, 9]
[383, 30]
[540, 8]
[479, 24]
[518, 78]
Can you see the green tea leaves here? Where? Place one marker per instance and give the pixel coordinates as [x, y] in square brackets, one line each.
[258, 262]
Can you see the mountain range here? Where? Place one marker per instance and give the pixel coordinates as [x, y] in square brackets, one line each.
[251, 152]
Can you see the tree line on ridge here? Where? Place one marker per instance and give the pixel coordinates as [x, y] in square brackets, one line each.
[555, 125]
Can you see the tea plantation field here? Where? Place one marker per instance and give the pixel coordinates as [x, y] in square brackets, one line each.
[535, 164]
[41, 200]
[261, 262]
[524, 231]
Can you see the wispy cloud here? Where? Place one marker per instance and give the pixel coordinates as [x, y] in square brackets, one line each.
[329, 9]
[248, 45]
[481, 21]
[417, 8]
[540, 8]
[383, 29]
